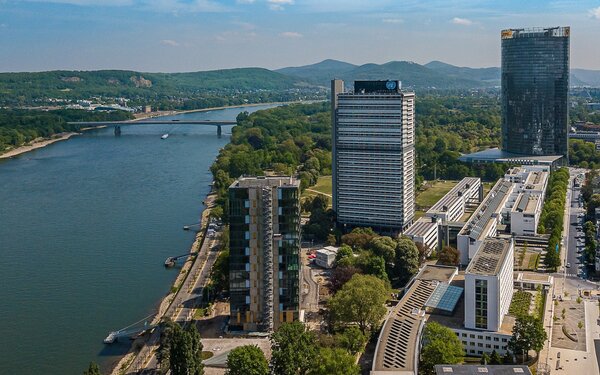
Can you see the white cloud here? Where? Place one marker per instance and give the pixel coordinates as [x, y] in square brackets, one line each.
[291, 34]
[170, 42]
[392, 20]
[153, 5]
[462, 21]
[279, 4]
[595, 13]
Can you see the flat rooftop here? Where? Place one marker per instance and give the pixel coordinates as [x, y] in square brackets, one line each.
[498, 156]
[420, 227]
[455, 194]
[481, 369]
[489, 258]
[399, 337]
[492, 204]
[527, 203]
[265, 181]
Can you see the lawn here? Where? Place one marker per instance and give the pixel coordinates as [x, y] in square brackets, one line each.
[433, 192]
[520, 303]
[323, 185]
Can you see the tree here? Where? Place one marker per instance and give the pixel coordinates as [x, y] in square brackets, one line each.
[185, 354]
[331, 240]
[423, 251]
[247, 360]
[407, 260]
[334, 361]
[340, 276]
[495, 358]
[371, 264]
[360, 301]
[384, 247]
[352, 339]
[294, 349]
[344, 251]
[93, 369]
[528, 334]
[449, 256]
[485, 359]
[440, 346]
[359, 238]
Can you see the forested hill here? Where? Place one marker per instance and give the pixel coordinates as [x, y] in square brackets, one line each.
[130, 84]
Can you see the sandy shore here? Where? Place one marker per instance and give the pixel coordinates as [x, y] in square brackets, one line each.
[35, 144]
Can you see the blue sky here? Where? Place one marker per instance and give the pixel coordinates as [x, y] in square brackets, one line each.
[191, 35]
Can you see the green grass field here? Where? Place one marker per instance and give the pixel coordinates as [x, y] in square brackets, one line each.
[433, 193]
[323, 186]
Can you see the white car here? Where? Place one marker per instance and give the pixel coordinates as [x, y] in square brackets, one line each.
[568, 265]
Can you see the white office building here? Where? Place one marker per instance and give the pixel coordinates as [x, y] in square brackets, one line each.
[489, 285]
[373, 155]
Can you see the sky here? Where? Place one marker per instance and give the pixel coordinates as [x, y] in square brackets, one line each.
[193, 35]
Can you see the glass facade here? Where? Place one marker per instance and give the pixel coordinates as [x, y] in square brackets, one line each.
[535, 87]
[264, 260]
[238, 255]
[481, 304]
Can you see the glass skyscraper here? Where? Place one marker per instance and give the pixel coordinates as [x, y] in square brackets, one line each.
[535, 87]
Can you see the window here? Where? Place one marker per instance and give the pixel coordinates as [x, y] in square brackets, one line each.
[472, 336]
[496, 339]
[481, 295]
[479, 337]
[464, 335]
[504, 340]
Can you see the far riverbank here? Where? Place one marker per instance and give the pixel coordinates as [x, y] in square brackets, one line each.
[43, 142]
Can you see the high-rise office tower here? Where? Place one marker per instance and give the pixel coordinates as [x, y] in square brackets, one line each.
[535, 87]
[264, 259]
[373, 155]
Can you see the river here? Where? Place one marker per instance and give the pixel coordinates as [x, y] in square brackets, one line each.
[85, 226]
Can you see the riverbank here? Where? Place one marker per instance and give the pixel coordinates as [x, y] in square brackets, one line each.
[37, 143]
[43, 142]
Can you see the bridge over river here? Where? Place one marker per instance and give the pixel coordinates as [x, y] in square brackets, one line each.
[117, 124]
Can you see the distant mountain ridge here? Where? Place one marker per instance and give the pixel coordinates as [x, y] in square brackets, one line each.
[435, 74]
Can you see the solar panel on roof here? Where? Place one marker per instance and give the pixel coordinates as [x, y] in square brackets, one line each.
[444, 297]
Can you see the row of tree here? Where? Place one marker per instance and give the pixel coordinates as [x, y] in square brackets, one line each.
[552, 217]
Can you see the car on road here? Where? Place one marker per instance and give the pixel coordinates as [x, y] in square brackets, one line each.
[568, 265]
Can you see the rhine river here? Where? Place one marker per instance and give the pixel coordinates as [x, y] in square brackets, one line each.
[85, 227]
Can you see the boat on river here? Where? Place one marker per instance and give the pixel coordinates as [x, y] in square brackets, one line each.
[165, 136]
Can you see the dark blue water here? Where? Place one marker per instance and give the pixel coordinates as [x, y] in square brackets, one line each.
[85, 226]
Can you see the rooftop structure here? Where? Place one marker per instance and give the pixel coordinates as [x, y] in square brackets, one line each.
[484, 221]
[490, 257]
[481, 369]
[495, 155]
[452, 205]
[429, 229]
[424, 231]
[397, 347]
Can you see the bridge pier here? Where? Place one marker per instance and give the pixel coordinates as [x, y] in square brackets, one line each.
[219, 131]
[117, 130]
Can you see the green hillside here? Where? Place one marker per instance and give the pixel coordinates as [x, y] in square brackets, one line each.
[26, 88]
